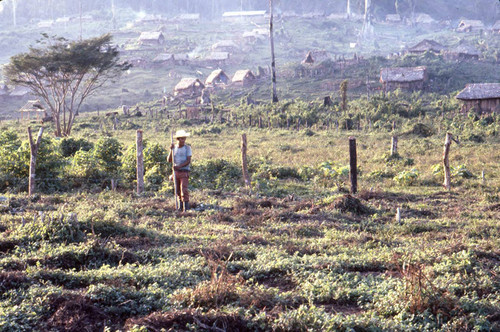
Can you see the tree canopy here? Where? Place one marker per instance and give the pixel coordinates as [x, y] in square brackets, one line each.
[64, 73]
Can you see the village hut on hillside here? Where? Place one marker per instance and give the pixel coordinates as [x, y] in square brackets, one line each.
[152, 38]
[225, 46]
[181, 59]
[315, 57]
[426, 45]
[470, 26]
[163, 59]
[496, 27]
[393, 18]
[423, 18]
[45, 24]
[255, 16]
[217, 58]
[20, 92]
[463, 52]
[243, 77]
[217, 78]
[150, 18]
[33, 106]
[189, 87]
[405, 78]
[483, 98]
[188, 17]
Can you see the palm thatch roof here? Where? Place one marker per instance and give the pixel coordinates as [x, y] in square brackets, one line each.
[187, 83]
[478, 91]
[151, 36]
[32, 106]
[424, 18]
[225, 44]
[403, 74]
[217, 75]
[465, 49]
[427, 45]
[241, 75]
[464, 24]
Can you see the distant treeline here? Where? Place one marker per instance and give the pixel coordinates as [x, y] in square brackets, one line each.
[23, 11]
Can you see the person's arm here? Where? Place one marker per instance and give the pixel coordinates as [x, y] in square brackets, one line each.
[170, 154]
[184, 164]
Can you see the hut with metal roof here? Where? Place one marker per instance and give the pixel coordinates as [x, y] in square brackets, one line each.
[217, 78]
[225, 46]
[470, 25]
[189, 87]
[243, 77]
[405, 78]
[426, 45]
[483, 98]
[152, 38]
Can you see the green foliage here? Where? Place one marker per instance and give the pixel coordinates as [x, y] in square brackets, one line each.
[69, 146]
[107, 151]
[215, 174]
[407, 178]
[53, 228]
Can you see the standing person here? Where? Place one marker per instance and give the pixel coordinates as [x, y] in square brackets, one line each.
[182, 162]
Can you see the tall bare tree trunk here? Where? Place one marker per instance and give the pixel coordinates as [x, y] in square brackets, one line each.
[34, 146]
[367, 23]
[348, 11]
[446, 162]
[14, 12]
[273, 61]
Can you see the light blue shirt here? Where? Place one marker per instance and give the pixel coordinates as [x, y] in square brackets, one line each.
[181, 155]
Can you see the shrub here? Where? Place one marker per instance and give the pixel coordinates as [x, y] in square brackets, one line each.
[215, 174]
[69, 146]
[407, 178]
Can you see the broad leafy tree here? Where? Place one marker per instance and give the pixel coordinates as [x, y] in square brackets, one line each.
[64, 73]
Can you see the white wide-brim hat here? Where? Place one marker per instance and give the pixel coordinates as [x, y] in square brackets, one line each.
[181, 133]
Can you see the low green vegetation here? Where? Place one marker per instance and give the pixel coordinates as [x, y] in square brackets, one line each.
[295, 251]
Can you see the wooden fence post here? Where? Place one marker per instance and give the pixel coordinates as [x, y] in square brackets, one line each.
[394, 146]
[244, 164]
[34, 146]
[353, 172]
[140, 163]
[446, 162]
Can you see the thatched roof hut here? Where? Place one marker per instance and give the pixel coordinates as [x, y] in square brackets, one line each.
[243, 77]
[189, 87]
[152, 38]
[470, 25]
[45, 24]
[407, 78]
[32, 106]
[225, 46]
[217, 77]
[393, 18]
[423, 18]
[188, 17]
[482, 97]
[463, 52]
[316, 57]
[496, 26]
[426, 45]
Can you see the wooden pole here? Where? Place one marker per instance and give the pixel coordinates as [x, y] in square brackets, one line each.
[394, 146]
[173, 172]
[244, 164]
[353, 172]
[34, 146]
[446, 162]
[140, 163]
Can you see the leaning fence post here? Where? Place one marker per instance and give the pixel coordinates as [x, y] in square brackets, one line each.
[446, 162]
[394, 146]
[140, 163]
[244, 164]
[34, 146]
[353, 172]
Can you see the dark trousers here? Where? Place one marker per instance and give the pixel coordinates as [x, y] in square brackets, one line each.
[181, 185]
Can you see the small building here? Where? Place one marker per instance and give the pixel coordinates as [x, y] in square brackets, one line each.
[216, 78]
[496, 27]
[33, 106]
[192, 17]
[256, 16]
[217, 58]
[163, 59]
[20, 92]
[189, 87]
[426, 45]
[181, 59]
[423, 18]
[405, 78]
[483, 98]
[463, 52]
[225, 46]
[316, 57]
[470, 26]
[45, 24]
[152, 38]
[243, 77]
[393, 18]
